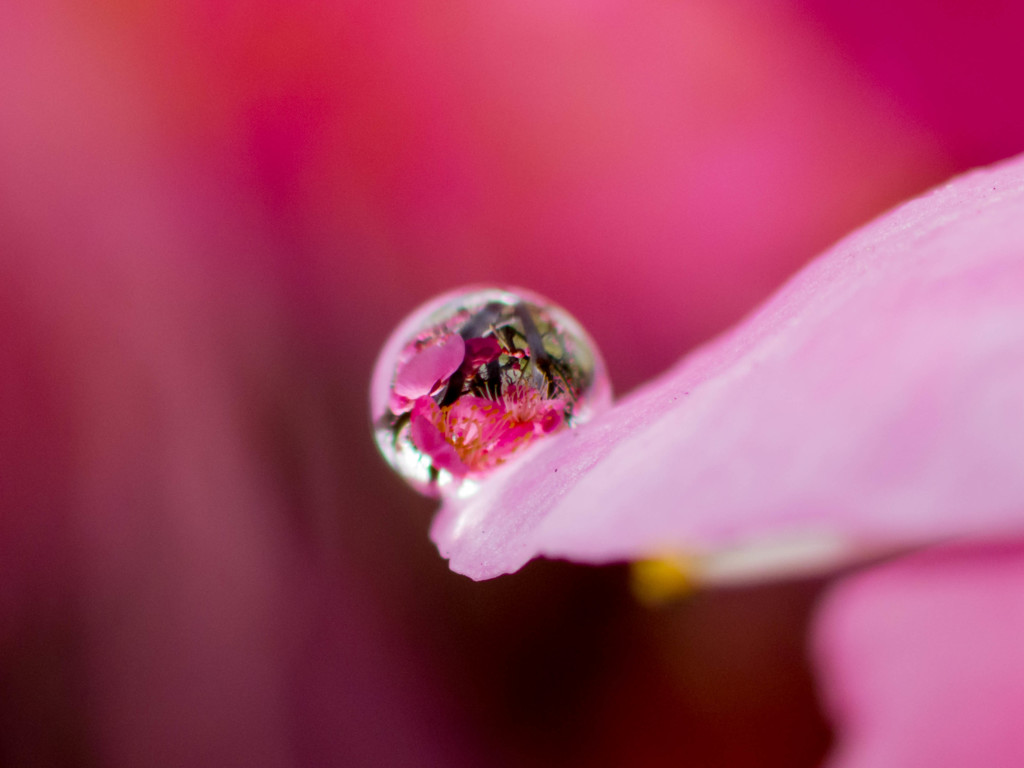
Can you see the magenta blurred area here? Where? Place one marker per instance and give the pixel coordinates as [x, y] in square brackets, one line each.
[212, 214]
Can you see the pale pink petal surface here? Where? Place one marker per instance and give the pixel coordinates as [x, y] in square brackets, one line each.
[874, 401]
[921, 661]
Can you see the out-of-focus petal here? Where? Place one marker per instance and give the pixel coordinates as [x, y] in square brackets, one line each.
[921, 661]
[916, 50]
[874, 401]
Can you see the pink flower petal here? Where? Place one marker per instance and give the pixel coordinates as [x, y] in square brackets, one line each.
[429, 439]
[921, 661]
[480, 351]
[874, 401]
[417, 375]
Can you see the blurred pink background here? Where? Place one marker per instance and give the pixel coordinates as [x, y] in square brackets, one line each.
[211, 216]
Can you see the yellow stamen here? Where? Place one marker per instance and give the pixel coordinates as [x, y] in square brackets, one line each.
[663, 580]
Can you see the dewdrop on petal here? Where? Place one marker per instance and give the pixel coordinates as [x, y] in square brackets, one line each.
[474, 378]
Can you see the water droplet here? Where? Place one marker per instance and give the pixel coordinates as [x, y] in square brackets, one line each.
[474, 378]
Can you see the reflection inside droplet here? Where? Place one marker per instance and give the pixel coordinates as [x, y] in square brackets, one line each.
[472, 379]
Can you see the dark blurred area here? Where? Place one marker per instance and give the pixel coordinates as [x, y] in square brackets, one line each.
[211, 216]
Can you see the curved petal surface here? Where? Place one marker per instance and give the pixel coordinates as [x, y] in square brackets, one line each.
[921, 664]
[873, 402]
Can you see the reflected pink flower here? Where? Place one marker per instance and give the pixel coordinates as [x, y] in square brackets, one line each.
[480, 352]
[424, 367]
[477, 434]
[429, 432]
